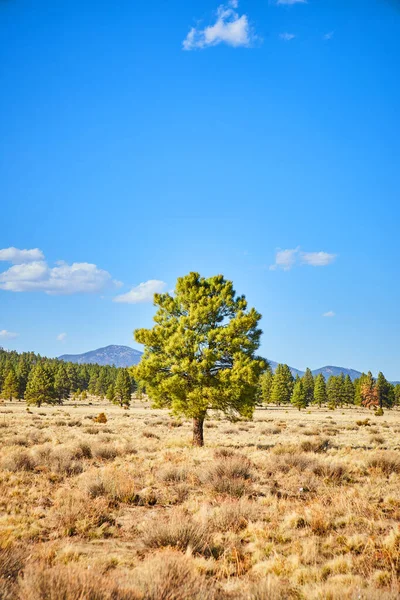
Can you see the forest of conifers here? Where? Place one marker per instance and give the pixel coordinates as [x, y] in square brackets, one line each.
[38, 380]
[41, 380]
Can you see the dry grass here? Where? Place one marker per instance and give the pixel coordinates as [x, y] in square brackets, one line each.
[290, 506]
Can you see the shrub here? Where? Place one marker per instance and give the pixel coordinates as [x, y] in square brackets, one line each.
[179, 532]
[387, 463]
[230, 475]
[19, 461]
[101, 418]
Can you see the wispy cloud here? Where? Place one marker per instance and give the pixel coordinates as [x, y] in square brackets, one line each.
[229, 28]
[290, 2]
[330, 314]
[287, 259]
[8, 335]
[144, 292]
[329, 35]
[287, 37]
[317, 259]
[61, 337]
[31, 273]
[16, 256]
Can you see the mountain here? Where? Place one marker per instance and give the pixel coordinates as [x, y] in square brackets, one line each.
[294, 371]
[120, 356]
[326, 371]
[124, 356]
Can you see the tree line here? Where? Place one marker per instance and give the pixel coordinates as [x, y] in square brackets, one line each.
[38, 380]
[338, 391]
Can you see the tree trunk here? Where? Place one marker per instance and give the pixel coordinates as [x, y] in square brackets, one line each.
[198, 437]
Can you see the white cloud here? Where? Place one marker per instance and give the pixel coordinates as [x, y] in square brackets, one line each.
[9, 335]
[37, 276]
[317, 259]
[61, 337]
[290, 2]
[329, 35]
[329, 314]
[16, 256]
[144, 292]
[229, 28]
[287, 37]
[286, 259]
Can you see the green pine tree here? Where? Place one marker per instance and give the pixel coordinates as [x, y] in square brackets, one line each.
[200, 355]
[282, 385]
[111, 393]
[299, 398]
[62, 385]
[384, 391]
[348, 391]
[10, 385]
[123, 388]
[266, 381]
[40, 387]
[320, 394]
[308, 385]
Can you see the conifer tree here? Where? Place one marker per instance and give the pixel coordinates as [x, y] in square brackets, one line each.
[40, 387]
[10, 385]
[23, 370]
[348, 391]
[282, 385]
[200, 355]
[122, 390]
[266, 381]
[384, 391]
[111, 393]
[335, 391]
[320, 394]
[308, 386]
[368, 391]
[298, 398]
[62, 385]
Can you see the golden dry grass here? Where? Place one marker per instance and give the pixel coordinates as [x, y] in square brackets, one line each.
[291, 505]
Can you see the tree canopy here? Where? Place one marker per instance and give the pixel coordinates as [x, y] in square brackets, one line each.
[201, 353]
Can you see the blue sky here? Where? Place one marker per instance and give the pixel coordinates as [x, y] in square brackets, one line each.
[141, 141]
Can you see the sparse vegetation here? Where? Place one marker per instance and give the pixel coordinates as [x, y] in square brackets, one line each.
[278, 509]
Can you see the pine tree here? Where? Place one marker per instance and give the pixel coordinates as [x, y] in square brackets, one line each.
[385, 392]
[62, 385]
[23, 370]
[282, 386]
[320, 394]
[298, 398]
[40, 387]
[308, 386]
[73, 377]
[123, 388]
[200, 355]
[348, 391]
[10, 385]
[335, 391]
[368, 391]
[111, 393]
[101, 385]
[266, 381]
[397, 394]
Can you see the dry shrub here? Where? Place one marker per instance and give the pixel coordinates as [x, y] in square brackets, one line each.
[318, 445]
[61, 460]
[272, 588]
[72, 514]
[69, 583]
[334, 472]
[116, 484]
[101, 418]
[230, 475]
[150, 434]
[179, 531]
[174, 473]
[386, 462]
[234, 515]
[171, 576]
[19, 461]
[105, 451]
[11, 564]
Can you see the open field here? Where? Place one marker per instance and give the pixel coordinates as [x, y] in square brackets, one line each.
[292, 505]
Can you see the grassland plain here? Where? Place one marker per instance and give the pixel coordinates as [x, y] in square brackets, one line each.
[293, 505]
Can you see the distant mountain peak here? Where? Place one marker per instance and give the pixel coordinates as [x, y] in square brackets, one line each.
[120, 356]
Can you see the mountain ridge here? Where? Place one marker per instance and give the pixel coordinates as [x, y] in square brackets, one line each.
[125, 356]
